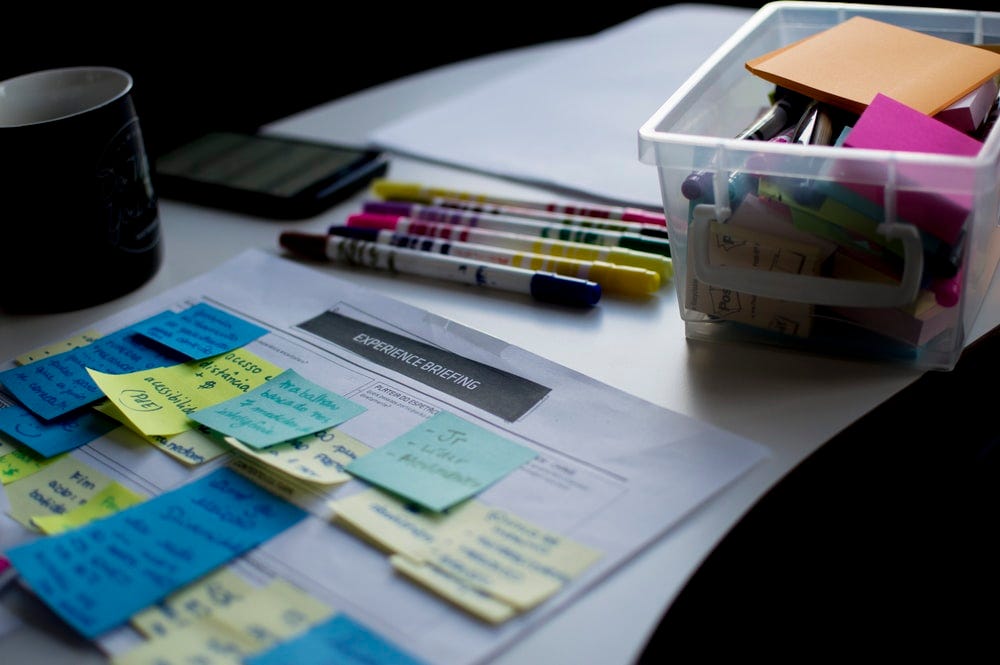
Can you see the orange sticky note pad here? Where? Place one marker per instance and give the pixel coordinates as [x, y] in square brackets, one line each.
[848, 64]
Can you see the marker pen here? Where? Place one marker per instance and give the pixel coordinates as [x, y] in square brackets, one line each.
[623, 280]
[408, 191]
[785, 111]
[539, 229]
[409, 209]
[575, 250]
[540, 285]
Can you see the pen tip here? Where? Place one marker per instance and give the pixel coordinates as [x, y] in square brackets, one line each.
[311, 245]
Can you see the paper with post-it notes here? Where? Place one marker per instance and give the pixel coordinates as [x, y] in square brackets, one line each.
[200, 331]
[848, 64]
[99, 575]
[284, 408]
[441, 461]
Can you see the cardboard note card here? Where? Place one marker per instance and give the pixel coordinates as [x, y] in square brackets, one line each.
[441, 461]
[850, 63]
[138, 556]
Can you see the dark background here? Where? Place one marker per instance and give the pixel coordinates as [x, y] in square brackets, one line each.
[199, 66]
[879, 544]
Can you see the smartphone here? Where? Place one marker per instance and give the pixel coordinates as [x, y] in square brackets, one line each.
[265, 175]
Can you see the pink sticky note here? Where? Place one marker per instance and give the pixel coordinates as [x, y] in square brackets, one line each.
[934, 198]
[968, 113]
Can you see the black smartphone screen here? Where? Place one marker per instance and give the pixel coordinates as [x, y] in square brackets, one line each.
[263, 175]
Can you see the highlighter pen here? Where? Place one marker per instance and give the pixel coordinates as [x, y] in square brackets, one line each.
[623, 280]
[454, 206]
[785, 111]
[408, 191]
[540, 285]
[538, 229]
[574, 250]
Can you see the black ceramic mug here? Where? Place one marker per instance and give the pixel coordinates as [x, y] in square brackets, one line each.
[79, 223]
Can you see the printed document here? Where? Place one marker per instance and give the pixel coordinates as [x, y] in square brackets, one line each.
[581, 476]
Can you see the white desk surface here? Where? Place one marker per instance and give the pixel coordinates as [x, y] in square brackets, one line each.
[792, 403]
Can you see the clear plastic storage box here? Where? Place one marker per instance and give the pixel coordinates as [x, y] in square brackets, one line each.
[816, 288]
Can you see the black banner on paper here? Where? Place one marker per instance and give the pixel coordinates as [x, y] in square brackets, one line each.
[501, 393]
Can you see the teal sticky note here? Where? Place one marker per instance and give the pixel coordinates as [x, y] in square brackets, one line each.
[338, 640]
[441, 462]
[287, 407]
[200, 331]
[97, 576]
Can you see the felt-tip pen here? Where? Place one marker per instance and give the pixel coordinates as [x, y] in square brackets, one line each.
[785, 111]
[540, 285]
[623, 280]
[538, 229]
[408, 191]
[658, 263]
[443, 206]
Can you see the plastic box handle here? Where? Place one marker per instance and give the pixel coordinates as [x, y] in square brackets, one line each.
[810, 288]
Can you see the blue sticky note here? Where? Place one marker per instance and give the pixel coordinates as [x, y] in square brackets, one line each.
[200, 331]
[54, 386]
[287, 407]
[338, 640]
[59, 435]
[441, 462]
[97, 576]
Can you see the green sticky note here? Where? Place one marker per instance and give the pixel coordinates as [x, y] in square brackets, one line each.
[441, 462]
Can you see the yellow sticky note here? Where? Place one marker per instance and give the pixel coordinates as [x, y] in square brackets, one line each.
[21, 463]
[112, 498]
[192, 447]
[509, 558]
[205, 642]
[475, 602]
[216, 591]
[6, 446]
[52, 349]
[397, 527]
[317, 458]
[259, 619]
[274, 613]
[158, 401]
[59, 487]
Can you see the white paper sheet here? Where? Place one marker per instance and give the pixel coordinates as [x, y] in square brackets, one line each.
[613, 472]
[571, 122]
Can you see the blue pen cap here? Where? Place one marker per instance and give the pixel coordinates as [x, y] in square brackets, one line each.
[564, 290]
